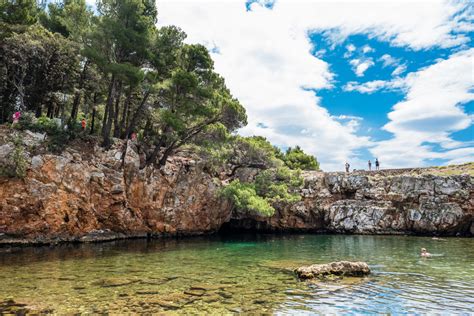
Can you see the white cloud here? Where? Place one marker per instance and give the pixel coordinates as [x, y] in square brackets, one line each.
[389, 60]
[375, 85]
[264, 55]
[431, 111]
[361, 65]
[350, 48]
[367, 49]
[399, 70]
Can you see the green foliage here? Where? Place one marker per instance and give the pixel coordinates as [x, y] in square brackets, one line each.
[56, 137]
[254, 151]
[270, 186]
[279, 184]
[245, 197]
[34, 64]
[296, 158]
[18, 158]
[125, 75]
[47, 125]
[22, 12]
[16, 165]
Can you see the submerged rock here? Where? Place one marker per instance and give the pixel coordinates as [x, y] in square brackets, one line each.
[114, 282]
[339, 268]
[11, 307]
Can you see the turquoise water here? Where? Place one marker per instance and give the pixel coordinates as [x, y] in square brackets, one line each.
[241, 274]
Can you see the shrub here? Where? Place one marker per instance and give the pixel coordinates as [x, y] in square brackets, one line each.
[270, 186]
[296, 158]
[244, 197]
[279, 184]
[57, 138]
[16, 165]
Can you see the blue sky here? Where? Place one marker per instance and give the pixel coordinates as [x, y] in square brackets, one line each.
[346, 81]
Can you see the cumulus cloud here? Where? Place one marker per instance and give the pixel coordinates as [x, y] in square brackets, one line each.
[389, 60]
[265, 57]
[367, 49]
[350, 48]
[361, 65]
[431, 111]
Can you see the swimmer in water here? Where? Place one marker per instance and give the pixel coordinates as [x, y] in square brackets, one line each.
[424, 253]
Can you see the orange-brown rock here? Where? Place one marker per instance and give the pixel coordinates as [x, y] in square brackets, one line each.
[89, 195]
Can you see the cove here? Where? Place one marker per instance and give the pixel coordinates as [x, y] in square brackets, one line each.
[229, 274]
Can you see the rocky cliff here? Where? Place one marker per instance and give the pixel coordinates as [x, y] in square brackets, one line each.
[412, 201]
[87, 193]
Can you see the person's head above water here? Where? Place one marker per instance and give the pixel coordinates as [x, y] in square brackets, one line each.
[424, 253]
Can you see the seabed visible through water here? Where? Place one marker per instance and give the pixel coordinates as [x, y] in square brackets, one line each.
[239, 274]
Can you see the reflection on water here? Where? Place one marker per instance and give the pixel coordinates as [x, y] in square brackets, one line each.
[232, 274]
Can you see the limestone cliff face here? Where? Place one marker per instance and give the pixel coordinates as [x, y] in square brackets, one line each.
[390, 202]
[87, 194]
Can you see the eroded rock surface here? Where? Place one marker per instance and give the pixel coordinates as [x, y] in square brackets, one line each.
[89, 194]
[339, 268]
[386, 202]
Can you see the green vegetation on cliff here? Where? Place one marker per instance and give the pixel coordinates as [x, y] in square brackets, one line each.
[115, 69]
[111, 73]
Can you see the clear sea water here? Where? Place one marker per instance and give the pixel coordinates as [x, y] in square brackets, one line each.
[248, 274]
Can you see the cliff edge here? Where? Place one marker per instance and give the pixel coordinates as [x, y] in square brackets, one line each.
[87, 193]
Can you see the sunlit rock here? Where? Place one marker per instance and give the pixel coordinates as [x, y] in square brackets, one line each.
[339, 268]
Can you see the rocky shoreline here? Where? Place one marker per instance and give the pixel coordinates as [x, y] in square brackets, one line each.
[89, 194]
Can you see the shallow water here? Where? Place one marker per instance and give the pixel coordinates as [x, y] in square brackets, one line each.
[249, 274]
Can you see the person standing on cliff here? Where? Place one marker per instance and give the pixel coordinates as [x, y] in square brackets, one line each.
[377, 164]
[16, 117]
[370, 165]
[347, 167]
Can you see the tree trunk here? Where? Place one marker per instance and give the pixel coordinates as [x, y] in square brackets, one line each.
[75, 107]
[93, 120]
[50, 112]
[77, 94]
[109, 110]
[94, 110]
[125, 113]
[136, 115]
[166, 154]
[117, 112]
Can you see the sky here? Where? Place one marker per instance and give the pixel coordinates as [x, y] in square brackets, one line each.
[345, 80]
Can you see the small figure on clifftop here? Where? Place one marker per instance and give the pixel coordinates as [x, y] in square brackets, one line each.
[425, 253]
[370, 165]
[16, 117]
[83, 124]
[347, 165]
[377, 164]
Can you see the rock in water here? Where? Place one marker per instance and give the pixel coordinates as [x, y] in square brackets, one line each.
[339, 268]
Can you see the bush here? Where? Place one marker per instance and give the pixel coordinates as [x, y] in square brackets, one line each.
[244, 197]
[279, 184]
[270, 186]
[57, 138]
[16, 164]
[296, 158]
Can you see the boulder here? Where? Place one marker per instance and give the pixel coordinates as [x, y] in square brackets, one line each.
[339, 268]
